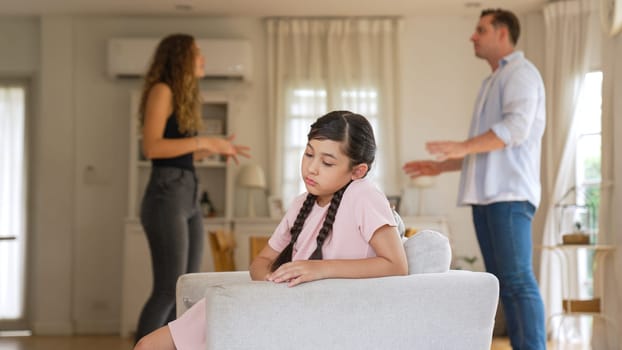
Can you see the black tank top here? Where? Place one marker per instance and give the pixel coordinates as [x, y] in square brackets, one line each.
[171, 131]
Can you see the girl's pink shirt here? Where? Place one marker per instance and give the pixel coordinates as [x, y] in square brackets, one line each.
[363, 210]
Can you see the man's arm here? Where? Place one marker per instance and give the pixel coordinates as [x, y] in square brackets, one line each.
[418, 168]
[444, 150]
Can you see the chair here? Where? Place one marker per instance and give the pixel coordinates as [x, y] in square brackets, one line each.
[430, 309]
[222, 244]
[257, 243]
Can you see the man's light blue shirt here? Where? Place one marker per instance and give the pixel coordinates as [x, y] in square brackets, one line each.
[511, 103]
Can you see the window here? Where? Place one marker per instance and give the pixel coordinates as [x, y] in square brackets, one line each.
[305, 105]
[12, 201]
[588, 119]
[588, 170]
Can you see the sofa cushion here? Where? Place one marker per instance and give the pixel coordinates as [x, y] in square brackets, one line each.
[427, 251]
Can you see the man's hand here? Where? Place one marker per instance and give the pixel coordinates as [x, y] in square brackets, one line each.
[422, 168]
[444, 150]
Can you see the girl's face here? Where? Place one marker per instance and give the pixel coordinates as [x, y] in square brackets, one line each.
[325, 169]
[199, 62]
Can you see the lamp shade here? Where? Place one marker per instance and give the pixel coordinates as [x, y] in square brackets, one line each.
[422, 182]
[252, 176]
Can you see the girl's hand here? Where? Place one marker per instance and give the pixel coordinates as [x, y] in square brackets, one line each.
[297, 272]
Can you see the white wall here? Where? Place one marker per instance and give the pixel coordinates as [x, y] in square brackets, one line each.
[441, 78]
[53, 190]
[19, 39]
[102, 132]
[82, 121]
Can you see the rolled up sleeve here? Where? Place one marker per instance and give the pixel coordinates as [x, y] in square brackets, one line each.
[520, 98]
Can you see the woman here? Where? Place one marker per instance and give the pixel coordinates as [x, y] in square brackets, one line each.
[170, 213]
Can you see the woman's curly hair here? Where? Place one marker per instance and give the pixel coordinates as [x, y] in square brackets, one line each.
[174, 65]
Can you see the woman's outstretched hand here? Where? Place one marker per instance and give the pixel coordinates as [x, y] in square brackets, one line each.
[238, 150]
[226, 147]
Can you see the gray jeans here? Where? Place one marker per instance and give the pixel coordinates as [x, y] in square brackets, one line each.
[172, 221]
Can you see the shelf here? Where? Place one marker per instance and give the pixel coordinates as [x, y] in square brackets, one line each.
[214, 175]
[572, 306]
[199, 164]
[217, 220]
[257, 220]
[210, 164]
[598, 247]
[581, 305]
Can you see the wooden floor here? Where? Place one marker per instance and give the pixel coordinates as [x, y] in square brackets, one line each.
[117, 343]
[65, 343]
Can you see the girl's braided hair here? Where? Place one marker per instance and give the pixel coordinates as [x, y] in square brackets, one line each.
[357, 140]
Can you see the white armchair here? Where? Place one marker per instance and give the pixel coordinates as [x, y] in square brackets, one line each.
[433, 308]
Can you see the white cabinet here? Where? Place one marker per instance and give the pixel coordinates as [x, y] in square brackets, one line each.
[247, 231]
[422, 222]
[215, 176]
[572, 304]
[137, 276]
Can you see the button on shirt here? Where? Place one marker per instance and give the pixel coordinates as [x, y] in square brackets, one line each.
[511, 103]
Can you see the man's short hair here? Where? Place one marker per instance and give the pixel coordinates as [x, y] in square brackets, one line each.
[505, 18]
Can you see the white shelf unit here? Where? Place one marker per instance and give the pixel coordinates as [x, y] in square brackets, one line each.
[246, 229]
[422, 222]
[571, 305]
[215, 175]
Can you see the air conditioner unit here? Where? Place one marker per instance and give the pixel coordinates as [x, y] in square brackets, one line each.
[224, 58]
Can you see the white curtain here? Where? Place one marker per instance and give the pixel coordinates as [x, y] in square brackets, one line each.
[566, 63]
[316, 65]
[12, 204]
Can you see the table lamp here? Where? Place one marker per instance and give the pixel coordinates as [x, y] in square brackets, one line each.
[251, 177]
[421, 183]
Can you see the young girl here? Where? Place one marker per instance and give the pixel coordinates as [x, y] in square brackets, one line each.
[170, 214]
[342, 227]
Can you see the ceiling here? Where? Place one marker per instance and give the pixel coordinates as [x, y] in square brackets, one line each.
[262, 8]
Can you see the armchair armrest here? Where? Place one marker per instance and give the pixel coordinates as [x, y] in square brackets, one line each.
[191, 287]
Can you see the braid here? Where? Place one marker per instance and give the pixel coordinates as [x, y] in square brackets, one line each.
[286, 255]
[327, 227]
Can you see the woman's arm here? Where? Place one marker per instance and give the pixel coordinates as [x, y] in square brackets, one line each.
[158, 108]
[390, 260]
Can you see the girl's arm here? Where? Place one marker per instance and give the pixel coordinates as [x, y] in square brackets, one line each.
[390, 260]
[260, 266]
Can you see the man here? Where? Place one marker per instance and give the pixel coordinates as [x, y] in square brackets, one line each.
[500, 171]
